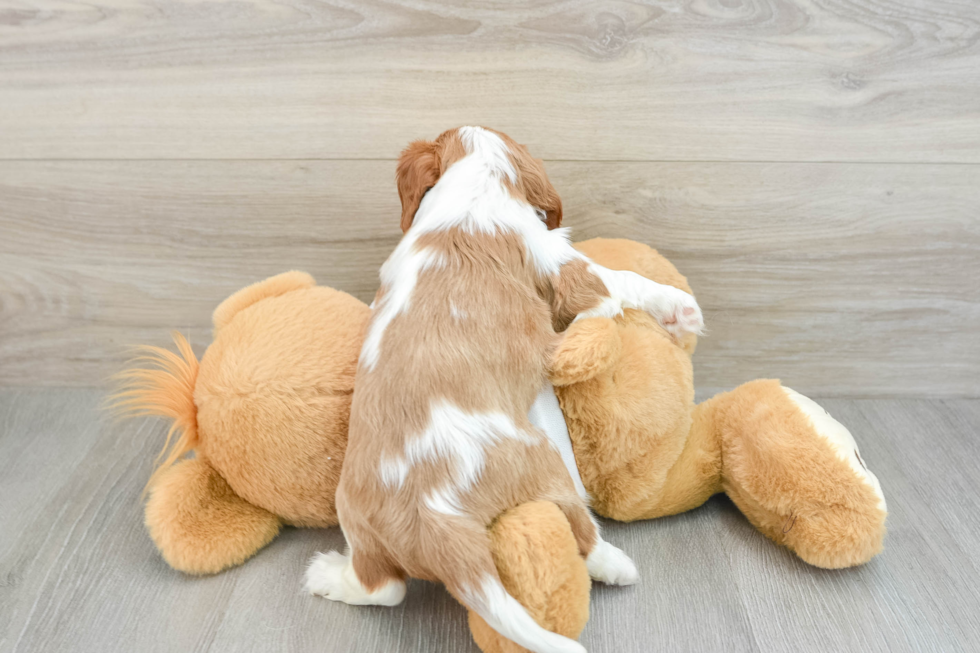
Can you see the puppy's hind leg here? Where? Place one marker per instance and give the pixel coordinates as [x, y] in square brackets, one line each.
[605, 562]
[366, 576]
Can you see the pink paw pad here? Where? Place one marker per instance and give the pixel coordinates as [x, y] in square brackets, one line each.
[686, 319]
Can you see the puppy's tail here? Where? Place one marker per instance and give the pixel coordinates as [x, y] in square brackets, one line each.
[161, 383]
[461, 557]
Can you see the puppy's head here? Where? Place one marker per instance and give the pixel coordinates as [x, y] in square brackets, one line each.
[422, 163]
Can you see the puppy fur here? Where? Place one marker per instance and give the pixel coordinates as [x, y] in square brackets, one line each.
[470, 309]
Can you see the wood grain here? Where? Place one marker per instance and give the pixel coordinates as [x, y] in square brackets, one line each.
[78, 572]
[680, 80]
[873, 608]
[842, 279]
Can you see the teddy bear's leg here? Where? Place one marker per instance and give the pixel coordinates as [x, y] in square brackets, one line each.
[539, 564]
[797, 475]
[199, 524]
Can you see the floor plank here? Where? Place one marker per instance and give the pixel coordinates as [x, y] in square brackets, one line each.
[295, 621]
[678, 558]
[767, 80]
[77, 571]
[918, 595]
[86, 577]
[841, 279]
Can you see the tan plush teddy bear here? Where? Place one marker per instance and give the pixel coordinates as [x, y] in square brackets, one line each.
[645, 450]
[266, 412]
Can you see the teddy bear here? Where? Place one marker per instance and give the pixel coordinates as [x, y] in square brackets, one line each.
[265, 413]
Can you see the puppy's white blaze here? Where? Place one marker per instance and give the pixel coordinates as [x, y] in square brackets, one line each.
[393, 472]
[462, 437]
[837, 435]
[399, 275]
[490, 149]
[468, 198]
[332, 576]
[471, 197]
[504, 614]
[444, 500]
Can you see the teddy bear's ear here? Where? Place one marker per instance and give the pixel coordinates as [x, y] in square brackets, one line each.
[589, 348]
[275, 286]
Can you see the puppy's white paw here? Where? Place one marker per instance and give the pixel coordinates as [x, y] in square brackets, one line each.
[325, 576]
[610, 565]
[681, 314]
[332, 576]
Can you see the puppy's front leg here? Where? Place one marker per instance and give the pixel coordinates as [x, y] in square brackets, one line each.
[676, 310]
[585, 289]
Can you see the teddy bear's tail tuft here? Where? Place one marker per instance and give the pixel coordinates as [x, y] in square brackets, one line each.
[160, 382]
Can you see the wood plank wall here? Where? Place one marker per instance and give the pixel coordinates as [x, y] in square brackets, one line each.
[812, 166]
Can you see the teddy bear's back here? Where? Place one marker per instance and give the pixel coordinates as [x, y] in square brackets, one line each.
[273, 397]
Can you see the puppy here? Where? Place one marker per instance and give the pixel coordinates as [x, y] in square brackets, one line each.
[470, 307]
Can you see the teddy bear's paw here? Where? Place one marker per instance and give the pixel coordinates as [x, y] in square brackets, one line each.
[681, 314]
[610, 565]
[332, 576]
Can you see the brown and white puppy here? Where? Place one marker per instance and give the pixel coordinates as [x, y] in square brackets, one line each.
[468, 314]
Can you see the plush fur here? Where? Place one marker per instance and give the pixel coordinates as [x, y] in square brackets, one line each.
[643, 447]
[539, 564]
[273, 397]
[198, 522]
[265, 412]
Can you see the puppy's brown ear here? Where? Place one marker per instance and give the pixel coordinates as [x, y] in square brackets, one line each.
[552, 208]
[537, 188]
[418, 171]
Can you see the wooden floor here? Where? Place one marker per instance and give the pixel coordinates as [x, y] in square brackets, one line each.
[79, 573]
